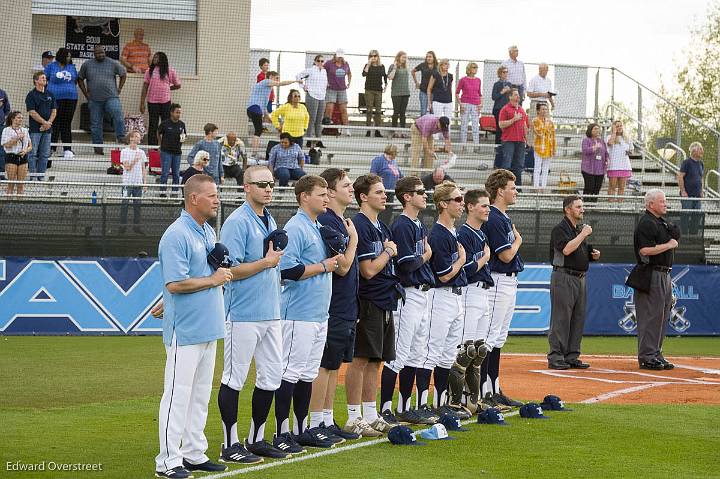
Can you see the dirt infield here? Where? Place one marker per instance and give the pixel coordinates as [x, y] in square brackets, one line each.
[613, 379]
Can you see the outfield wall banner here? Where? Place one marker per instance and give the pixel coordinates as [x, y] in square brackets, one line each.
[115, 295]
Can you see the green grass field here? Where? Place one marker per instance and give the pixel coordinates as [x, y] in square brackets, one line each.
[95, 400]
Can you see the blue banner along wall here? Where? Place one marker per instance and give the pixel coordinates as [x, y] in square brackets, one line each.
[115, 295]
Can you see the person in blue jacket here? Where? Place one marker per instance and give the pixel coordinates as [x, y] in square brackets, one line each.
[62, 83]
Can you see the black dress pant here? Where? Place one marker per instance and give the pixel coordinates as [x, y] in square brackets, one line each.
[592, 186]
[157, 112]
[62, 128]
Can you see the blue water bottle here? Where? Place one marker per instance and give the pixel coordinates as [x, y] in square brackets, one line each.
[93, 198]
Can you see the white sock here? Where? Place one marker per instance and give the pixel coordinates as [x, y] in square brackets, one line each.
[369, 411]
[353, 412]
[328, 418]
[316, 417]
[387, 406]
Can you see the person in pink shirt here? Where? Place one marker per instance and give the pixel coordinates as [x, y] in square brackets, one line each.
[514, 124]
[421, 138]
[160, 78]
[470, 102]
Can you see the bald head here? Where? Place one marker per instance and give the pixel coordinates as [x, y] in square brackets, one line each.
[543, 69]
[139, 34]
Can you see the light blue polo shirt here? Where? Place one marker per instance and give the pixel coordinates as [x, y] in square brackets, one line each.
[193, 317]
[256, 298]
[305, 299]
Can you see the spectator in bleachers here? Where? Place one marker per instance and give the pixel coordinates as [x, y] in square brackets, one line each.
[690, 180]
[540, 90]
[4, 111]
[470, 102]
[135, 55]
[501, 96]
[619, 168]
[421, 138]
[514, 124]
[431, 180]
[103, 94]
[594, 161]
[399, 75]
[386, 167]
[42, 109]
[160, 78]
[200, 162]
[62, 83]
[316, 82]
[516, 71]
[233, 157]
[295, 117]
[134, 176]
[286, 160]
[440, 91]
[16, 146]
[171, 135]
[257, 106]
[338, 70]
[426, 69]
[375, 83]
[45, 59]
[545, 145]
[264, 65]
[209, 144]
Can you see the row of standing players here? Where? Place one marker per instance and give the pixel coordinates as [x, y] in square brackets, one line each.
[410, 302]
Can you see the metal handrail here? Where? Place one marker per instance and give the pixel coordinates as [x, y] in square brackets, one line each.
[711, 191]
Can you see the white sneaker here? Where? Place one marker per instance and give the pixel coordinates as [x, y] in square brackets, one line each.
[68, 155]
[58, 152]
[380, 425]
[360, 426]
[348, 132]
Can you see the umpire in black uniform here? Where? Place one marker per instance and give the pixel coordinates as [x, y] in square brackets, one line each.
[570, 256]
[654, 240]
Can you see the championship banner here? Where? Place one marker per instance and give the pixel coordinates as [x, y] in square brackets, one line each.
[115, 296]
[83, 34]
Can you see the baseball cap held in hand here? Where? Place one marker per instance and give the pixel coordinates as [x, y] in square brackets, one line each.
[219, 257]
[279, 240]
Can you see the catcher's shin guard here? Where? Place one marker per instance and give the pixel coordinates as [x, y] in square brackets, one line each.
[456, 381]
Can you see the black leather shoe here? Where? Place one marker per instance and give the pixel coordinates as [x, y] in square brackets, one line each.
[652, 364]
[577, 364]
[667, 365]
[559, 365]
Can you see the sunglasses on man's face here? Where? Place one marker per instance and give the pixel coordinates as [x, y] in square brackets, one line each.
[419, 192]
[263, 184]
[457, 199]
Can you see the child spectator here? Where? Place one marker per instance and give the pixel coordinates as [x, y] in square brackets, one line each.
[171, 135]
[134, 176]
[209, 143]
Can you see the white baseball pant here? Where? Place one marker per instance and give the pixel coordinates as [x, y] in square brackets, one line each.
[243, 340]
[476, 311]
[501, 303]
[184, 404]
[303, 346]
[411, 327]
[445, 315]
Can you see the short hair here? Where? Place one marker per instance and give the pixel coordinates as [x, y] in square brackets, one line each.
[263, 61]
[469, 67]
[195, 183]
[37, 75]
[512, 47]
[134, 132]
[589, 130]
[209, 128]
[271, 74]
[174, 106]
[318, 57]
[291, 93]
[406, 185]
[496, 180]
[11, 116]
[652, 195]
[444, 123]
[569, 200]
[514, 90]
[200, 156]
[332, 176]
[540, 105]
[500, 70]
[473, 196]
[251, 170]
[390, 149]
[286, 136]
[363, 183]
[306, 184]
[694, 146]
[442, 193]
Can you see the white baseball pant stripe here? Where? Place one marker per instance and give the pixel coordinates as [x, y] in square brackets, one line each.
[411, 326]
[476, 311]
[184, 404]
[303, 346]
[245, 340]
[501, 303]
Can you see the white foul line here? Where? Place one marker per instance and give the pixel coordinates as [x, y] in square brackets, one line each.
[620, 392]
[695, 368]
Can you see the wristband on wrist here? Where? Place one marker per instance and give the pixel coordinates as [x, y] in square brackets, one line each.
[324, 268]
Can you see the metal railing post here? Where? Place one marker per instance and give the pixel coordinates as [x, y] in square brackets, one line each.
[678, 127]
[277, 94]
[612, 85]
[597, 95]
[640, 115]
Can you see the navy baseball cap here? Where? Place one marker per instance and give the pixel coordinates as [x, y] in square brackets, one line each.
[532, 410]
[491, 416]
[553, 403]
[435, 432]
[403, 436]
[335, 241]
[452, 422]
[279, 240]
[48, 54]
[219, 257]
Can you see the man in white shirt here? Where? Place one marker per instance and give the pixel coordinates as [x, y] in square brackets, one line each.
[516, 71]
[540, 90]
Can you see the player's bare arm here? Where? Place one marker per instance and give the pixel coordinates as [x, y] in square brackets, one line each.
[246, 270]
[192, 285]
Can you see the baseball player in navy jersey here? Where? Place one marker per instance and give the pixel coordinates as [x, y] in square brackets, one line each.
[304, 301]
[193, 322]
[343, 312]
[505, 264]
[252, 329]
[378, 295]
[446, 308]
[411, 322]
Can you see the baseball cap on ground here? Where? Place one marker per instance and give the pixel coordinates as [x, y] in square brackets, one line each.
[532, 410]
[491, 416]
[219, 257]
[403, 436]
[452, 422]
[553, 403]
[48, 54]
[435, 432]
[279, 240]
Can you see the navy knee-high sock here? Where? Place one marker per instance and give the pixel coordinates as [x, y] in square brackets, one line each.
[283, 399]
[228, 405]
[387, 388]
[301, 405]
[494, 370]
[422, 381]
[484, 374]
[406, 380]
[441, 383]
[261, 402]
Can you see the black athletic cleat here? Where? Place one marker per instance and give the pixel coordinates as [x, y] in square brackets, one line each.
[503, 399]
[265, 449]
[314, 437]
[336, 430]
[335, 438]
[239, 455]
[667, 365]
[411, 416]
[653, 364]
[286, 442]
[390, 418]
[453, 411]
[426, 413]
[559, 365]
[577, 364]
[178, 472]
[206, 466]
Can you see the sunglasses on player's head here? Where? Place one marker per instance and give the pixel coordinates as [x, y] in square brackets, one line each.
[263, 184]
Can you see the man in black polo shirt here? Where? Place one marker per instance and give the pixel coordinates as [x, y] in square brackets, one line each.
[570, 255]
[42, 108]
[654, 241]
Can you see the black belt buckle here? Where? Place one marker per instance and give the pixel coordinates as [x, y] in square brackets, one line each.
[511, 274]
[457, 290]
[422, 287]
[662, 269]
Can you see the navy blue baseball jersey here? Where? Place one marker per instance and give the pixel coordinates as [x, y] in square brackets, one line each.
[500, 237]
[474, 243]
[445, 252]
[381, 289]
[409, 236]
[344, 301]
